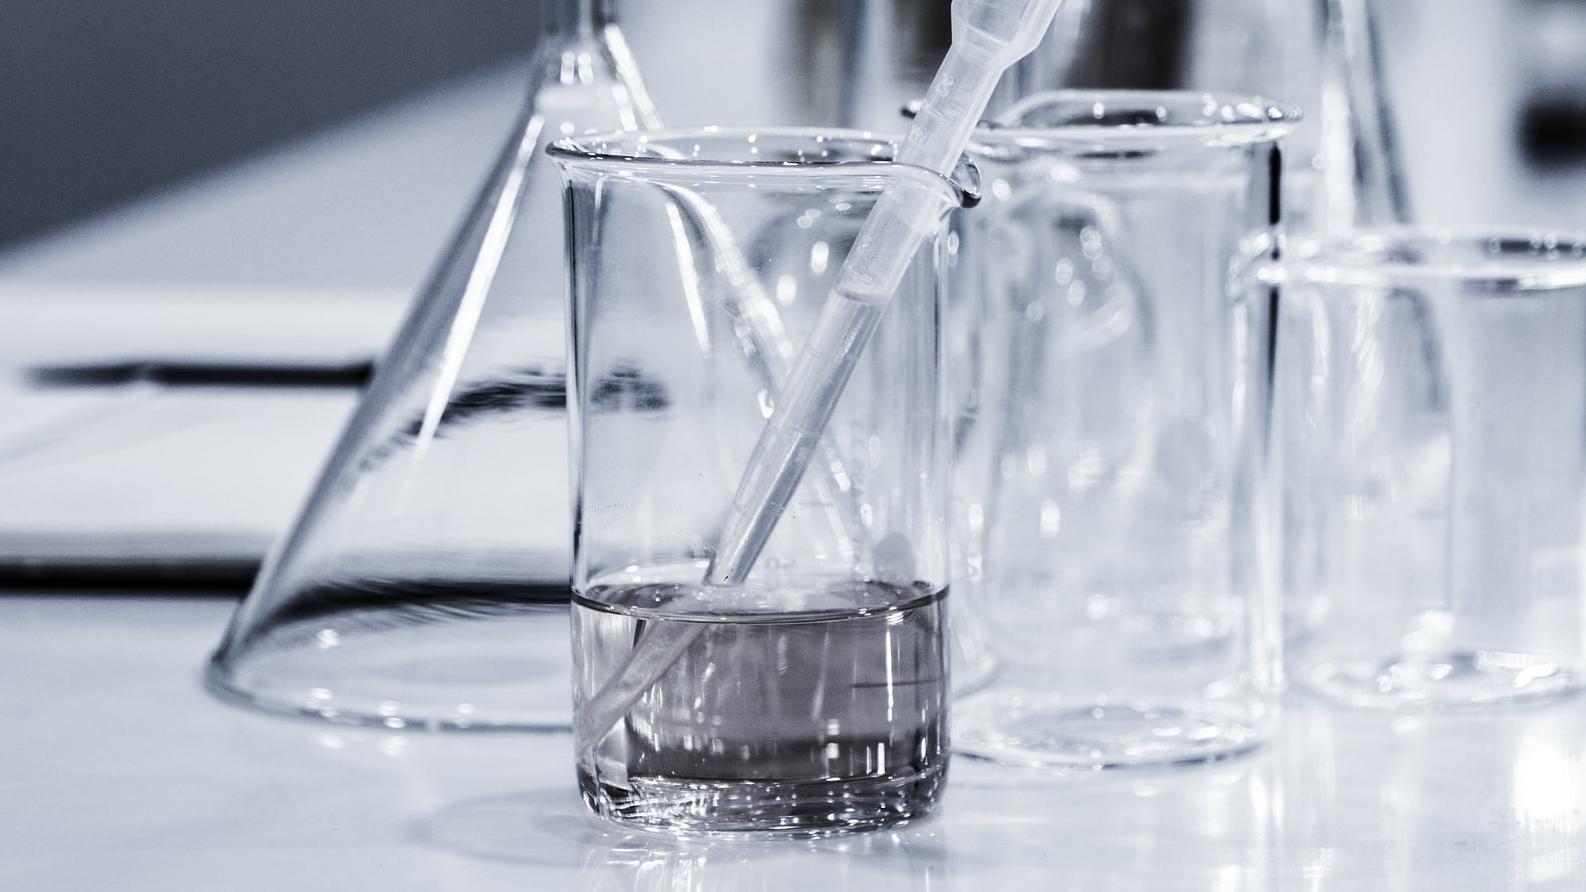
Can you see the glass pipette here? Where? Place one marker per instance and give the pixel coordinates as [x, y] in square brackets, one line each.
[988, 37]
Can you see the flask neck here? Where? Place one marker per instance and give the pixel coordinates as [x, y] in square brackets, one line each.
[570, 17]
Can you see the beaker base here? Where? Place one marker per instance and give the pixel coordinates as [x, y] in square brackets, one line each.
[1454, 680]
[1052, 732]
[812, 808]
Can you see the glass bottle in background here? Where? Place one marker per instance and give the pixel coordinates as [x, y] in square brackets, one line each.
[425, 581]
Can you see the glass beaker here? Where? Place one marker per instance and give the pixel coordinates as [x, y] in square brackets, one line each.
[424, 582]
[812, 698]
[1111, 527]
[1432, 397]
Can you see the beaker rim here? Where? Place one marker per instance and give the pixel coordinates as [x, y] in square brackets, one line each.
[635, 150]
[1497, 260]
[1063, 118]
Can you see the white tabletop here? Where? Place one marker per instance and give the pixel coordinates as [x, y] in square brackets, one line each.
[117, 771]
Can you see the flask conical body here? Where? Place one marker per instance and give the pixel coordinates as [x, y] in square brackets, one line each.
[424, 582]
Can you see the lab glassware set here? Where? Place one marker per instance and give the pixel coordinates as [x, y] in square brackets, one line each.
[1054, 425]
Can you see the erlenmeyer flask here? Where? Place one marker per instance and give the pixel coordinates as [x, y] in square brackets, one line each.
[425, 582]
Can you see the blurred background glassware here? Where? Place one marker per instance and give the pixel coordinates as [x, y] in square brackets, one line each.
[424, 583]
[825, 63]
[1341, 162]
[1432, 391]
[1552, 112]
[813, 697]
[1111, 549]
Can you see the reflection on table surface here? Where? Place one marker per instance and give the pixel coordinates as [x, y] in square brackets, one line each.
[121, 773]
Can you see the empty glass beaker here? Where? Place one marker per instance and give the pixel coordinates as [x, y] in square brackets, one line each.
[1432, 404]
[424, 583]
[1111, 531]
[813, 697]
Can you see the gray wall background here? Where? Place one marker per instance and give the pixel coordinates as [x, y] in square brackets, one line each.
[105, 100]
[101, 100]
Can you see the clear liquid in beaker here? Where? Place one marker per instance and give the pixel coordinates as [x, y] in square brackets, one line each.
[827, 719]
